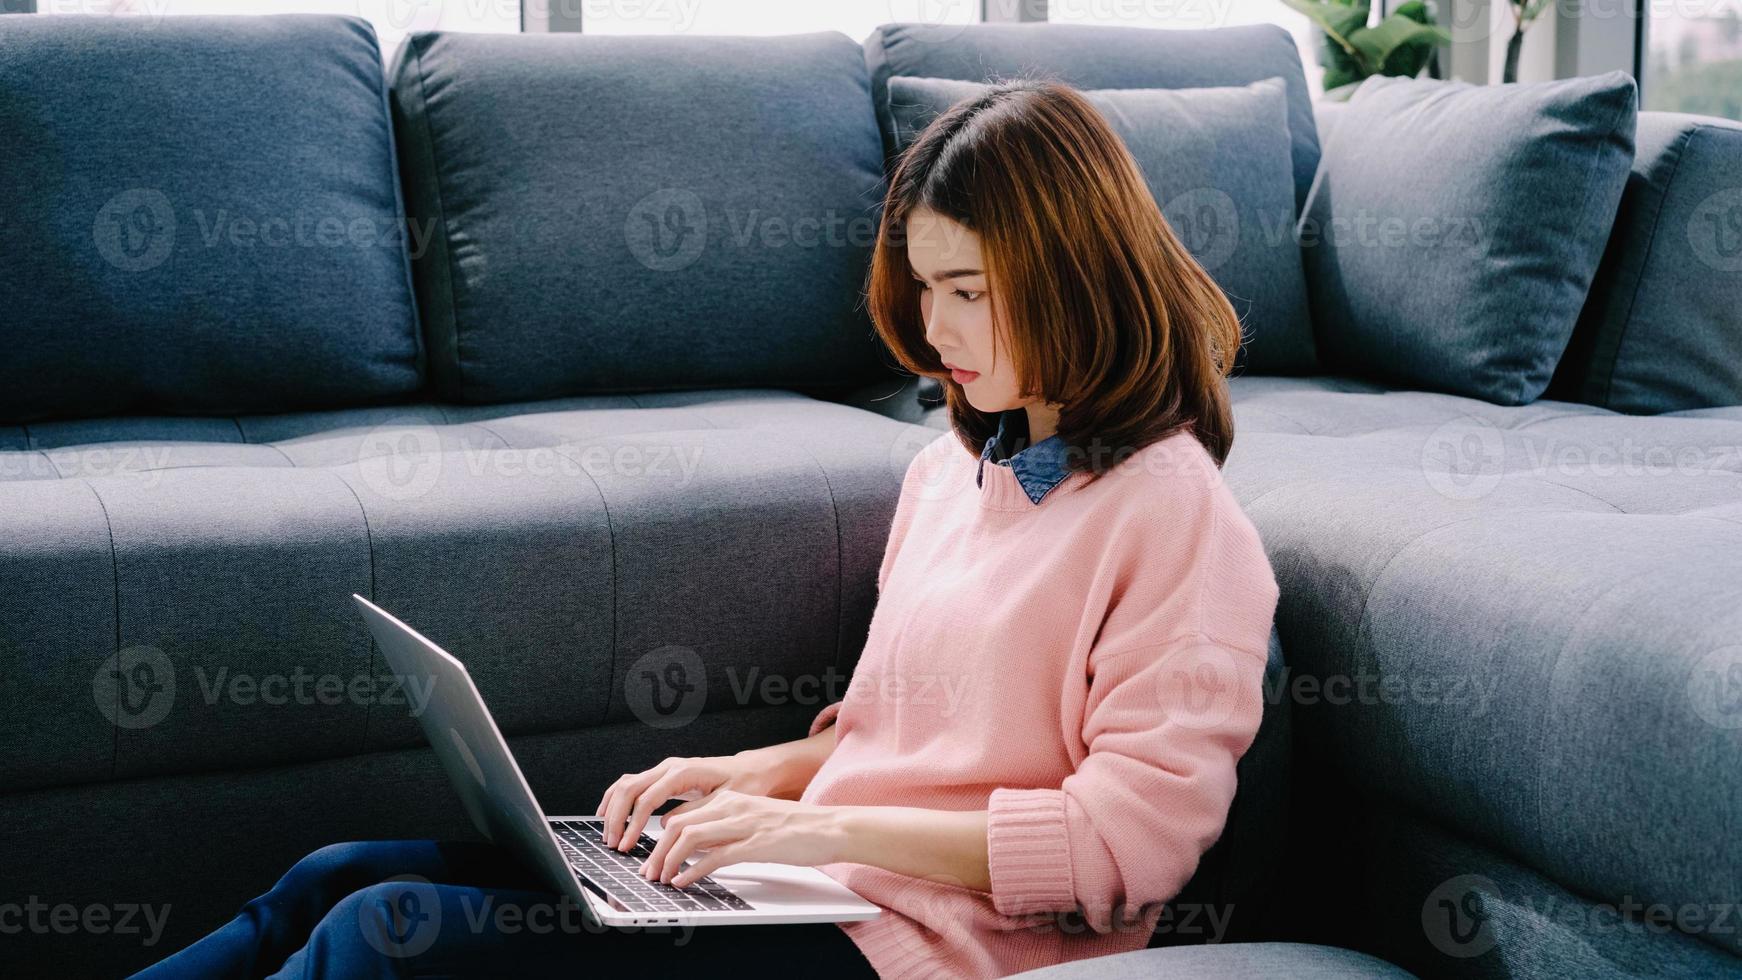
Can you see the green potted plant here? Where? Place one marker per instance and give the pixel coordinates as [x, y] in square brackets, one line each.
[1401, 44]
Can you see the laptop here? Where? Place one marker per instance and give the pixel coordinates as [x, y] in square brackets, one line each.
[570, 852]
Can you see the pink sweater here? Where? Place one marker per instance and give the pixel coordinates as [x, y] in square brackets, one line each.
[1088, 669]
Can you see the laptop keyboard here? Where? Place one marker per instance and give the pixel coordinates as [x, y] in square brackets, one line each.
[618, 873]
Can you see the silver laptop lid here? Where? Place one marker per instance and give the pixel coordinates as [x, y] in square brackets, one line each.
[472, 749]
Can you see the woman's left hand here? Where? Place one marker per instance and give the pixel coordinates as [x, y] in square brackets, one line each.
[733, 827]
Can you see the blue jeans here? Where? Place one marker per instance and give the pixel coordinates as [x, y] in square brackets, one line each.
[429, 908]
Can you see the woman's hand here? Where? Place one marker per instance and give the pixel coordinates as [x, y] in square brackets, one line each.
[635, 796]
[732, 827]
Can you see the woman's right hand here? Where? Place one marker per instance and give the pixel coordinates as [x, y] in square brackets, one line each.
[634, 796]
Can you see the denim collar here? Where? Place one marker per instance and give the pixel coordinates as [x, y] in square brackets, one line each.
[1038, 468]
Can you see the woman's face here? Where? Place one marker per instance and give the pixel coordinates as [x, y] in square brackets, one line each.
[957, 308]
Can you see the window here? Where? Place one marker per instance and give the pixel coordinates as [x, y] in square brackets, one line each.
[1186, 14]
[393, 19]
[854, 18]
[1693, 57]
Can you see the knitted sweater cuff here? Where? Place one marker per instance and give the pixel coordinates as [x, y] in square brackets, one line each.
[1028, 851]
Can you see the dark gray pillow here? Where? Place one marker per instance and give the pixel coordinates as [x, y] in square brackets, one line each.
[622, 213]
[1218, 163]
[1454, 229]
[1092, 56]
[1662, 329]
[198, 215]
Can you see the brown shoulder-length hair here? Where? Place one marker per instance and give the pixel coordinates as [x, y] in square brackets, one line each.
[1103, 310]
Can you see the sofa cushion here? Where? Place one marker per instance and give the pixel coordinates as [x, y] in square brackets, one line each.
[1660, 330]
[1234, 961]
[1217, 161]
[201, 215]
[181, 599]
[1092, 57]
[1454, 229]
[1520, 620]
[610, 214]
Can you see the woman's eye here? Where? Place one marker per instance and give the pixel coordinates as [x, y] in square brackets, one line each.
[970, 297]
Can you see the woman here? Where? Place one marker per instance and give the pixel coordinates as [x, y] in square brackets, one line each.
[1039, 741]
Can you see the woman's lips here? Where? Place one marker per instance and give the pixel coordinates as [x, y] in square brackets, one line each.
[962, 377]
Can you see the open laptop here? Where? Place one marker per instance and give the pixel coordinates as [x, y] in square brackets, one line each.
[570, 852]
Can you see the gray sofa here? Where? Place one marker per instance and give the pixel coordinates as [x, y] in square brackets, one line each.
[612, 394]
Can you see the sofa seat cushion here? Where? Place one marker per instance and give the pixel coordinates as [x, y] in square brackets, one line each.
[1522, 620]
[1233, 961]
[178, 590]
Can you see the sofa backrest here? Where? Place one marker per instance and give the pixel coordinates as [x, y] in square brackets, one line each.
[607, 214]
[1661, 329]
[199, 217]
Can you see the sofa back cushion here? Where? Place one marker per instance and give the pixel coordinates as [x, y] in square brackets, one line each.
[1217, 161]
[621, 213]
[201, 215]
[1095, 57]
[1662, 328]
[1454, 229]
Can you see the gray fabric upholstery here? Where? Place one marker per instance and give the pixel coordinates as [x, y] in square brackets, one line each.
[1098, 57]
[1454, 229]
[610, 214]
[201, 216]
[573, 537]
[202, 844]
[1661, 330]
[1541, 604]
[1235, 961]
[1440, 905]
[1217, 161]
